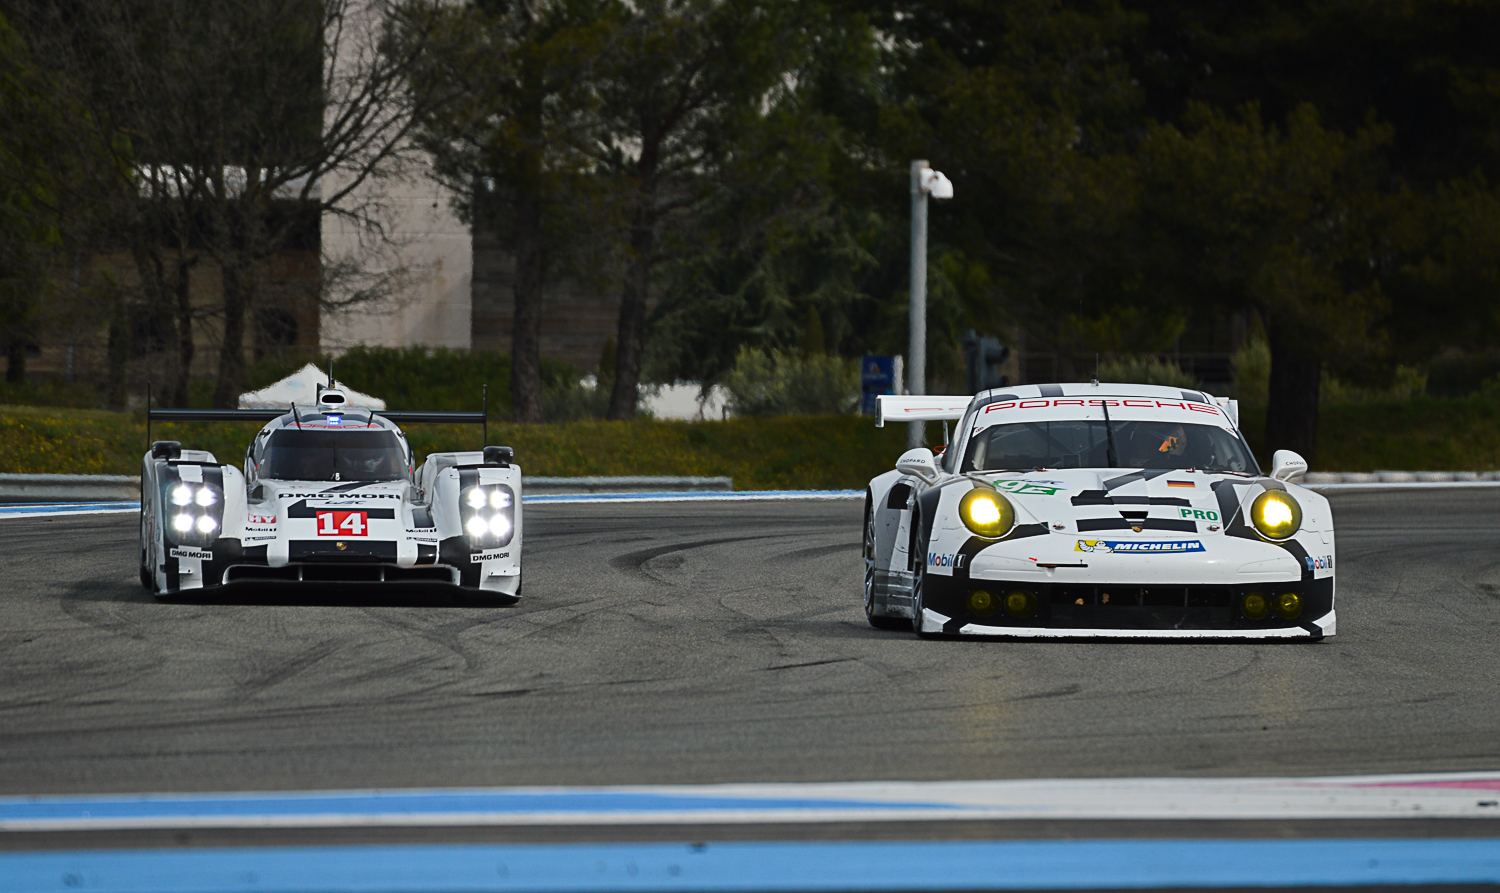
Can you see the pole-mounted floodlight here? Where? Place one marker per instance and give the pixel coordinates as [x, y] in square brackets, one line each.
[924, 182]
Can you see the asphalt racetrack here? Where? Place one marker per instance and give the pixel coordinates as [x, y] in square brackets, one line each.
[720, 642]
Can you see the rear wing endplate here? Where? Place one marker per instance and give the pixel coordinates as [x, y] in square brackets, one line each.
[1231, 408]
[914, 408]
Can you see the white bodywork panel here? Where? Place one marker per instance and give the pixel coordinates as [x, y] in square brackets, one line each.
[409, 530]
[1092, 526]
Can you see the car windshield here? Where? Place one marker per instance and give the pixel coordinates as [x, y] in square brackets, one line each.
[294, 455]
[1083, 443]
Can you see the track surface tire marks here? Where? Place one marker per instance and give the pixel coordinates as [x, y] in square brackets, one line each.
[691, 643]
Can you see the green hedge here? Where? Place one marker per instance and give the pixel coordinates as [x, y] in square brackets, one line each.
[815, 452]
[808, 452]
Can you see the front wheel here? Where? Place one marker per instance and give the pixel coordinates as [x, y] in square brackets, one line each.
[879, 621]
[918, 578]
[917, 625]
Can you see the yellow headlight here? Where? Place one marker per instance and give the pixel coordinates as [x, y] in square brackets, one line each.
[987, 513]
[1021, 604]
[1276, 515]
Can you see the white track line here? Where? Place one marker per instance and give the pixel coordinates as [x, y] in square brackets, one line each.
[1450, 795]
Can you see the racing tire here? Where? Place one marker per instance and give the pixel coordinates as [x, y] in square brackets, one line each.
[916, 603]
[876, 620]
[919, 575]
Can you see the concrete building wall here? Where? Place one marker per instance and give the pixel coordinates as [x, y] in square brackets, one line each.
[434, 248]
[425, 241]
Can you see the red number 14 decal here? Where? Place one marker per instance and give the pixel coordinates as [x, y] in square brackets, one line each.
[342, 524]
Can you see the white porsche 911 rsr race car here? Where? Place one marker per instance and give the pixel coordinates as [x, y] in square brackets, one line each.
[328, 495]
[1079, 510]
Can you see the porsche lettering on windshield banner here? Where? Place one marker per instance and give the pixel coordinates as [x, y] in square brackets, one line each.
[1120, 409]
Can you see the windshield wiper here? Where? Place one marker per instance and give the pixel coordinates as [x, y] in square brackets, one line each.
[1110, 455]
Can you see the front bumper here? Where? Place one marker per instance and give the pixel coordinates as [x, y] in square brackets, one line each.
[367, 562]
[1067, 609]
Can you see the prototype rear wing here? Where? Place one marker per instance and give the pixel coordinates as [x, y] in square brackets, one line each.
[400, 417]
[914, 408]
[265, 415]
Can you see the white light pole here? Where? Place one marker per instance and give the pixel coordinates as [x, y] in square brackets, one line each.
[924, 182]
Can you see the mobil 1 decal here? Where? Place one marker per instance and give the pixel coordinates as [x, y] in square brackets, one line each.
[946, 559]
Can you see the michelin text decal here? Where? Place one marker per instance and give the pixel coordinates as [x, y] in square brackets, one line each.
[1132, 547]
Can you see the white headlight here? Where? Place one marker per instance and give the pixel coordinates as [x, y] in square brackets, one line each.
[499, 526]
[476, 526]
[475, 498]
[182, 494]
[207, 525]
[499, 499]
[205, 497]
[182, 523]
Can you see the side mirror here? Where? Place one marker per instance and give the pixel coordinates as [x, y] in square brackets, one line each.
[919, 463]
[499, 455]
[1287, 465]
[166, 449]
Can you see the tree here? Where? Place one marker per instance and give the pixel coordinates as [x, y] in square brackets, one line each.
[249, 122]
[784, 238]
[1292, 222]
[509, 147]
[43, 148]
[1026, 106]
[685, 80]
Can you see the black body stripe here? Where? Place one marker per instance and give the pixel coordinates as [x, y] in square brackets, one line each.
[1087, 524]
[1102, 497]
[300, 509]
[1235, 525]
[973, 546]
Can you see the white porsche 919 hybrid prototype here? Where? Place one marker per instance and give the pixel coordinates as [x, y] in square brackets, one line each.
[1079, 510]
[329, 494]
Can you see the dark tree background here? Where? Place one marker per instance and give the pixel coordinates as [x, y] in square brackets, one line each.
[1132, 176]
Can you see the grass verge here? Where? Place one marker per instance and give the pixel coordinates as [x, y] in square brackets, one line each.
[802, 452]
[807, 452]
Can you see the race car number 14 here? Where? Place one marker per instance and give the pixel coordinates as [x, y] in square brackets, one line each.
[342, 524]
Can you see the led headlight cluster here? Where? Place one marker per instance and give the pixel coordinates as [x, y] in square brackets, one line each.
[194, 513]
[489, 514]
[986, 512]
[1276, 515]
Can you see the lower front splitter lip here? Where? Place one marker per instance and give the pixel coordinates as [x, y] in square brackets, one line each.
[1323, 626]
